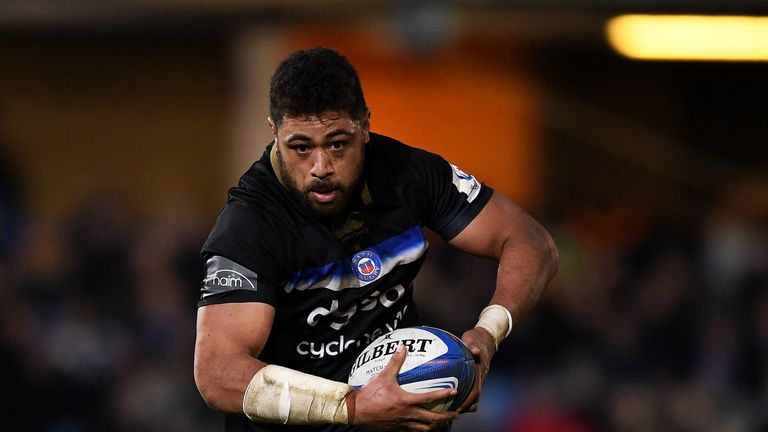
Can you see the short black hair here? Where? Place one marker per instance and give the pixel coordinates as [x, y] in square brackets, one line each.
[314, 81]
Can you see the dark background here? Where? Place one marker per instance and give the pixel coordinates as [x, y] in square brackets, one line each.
[123, 123]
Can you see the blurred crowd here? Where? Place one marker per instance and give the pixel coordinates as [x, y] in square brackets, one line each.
[654, 323]
[651, 325]
[97, 319]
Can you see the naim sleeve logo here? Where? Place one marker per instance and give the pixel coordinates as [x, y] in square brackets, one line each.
[224, 275]
[230, 279]
[366, 265]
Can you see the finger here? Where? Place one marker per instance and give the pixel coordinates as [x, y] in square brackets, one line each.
[416, 427]
[433, 396]
[469, 406]
[422, 415]
[447, 416]
[475, 350]
[411, 423]
[395, 362]
[472, 399]
[439, 406]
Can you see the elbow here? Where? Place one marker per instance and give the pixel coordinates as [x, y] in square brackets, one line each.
[550, 257]
[208, 392]
[212, 393]
[542, 253]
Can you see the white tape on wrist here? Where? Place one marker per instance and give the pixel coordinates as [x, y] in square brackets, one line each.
[497, 320]
[280, 395]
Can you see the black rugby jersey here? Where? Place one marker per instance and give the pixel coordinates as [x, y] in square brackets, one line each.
[339, 285]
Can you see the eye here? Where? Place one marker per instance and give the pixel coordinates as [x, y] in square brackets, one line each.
[337, 145]
[301, 148]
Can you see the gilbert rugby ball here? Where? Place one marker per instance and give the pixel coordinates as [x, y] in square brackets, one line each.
[436, 360]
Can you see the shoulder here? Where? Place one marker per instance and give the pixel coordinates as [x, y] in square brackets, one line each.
[390, 149]
[259, 195]
[258, 216]
[388, 156]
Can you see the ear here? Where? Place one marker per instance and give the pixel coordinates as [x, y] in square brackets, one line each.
[272, 127]
[367, 126]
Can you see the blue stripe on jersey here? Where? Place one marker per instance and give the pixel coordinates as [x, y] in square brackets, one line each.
[401, 249]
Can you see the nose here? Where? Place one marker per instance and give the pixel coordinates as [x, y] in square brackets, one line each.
[321, 165]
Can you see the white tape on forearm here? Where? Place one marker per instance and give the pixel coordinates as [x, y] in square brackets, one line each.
[497, 320]
[280, 395]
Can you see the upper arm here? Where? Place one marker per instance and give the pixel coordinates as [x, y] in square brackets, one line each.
[502, 223]
[234, 327]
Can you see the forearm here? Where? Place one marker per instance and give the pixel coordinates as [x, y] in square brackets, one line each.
[526, 253]
[528, 260]
[526, 266]
[271, 393]
[229, 339]
[232, 379]
[527, 263]
[281, 395]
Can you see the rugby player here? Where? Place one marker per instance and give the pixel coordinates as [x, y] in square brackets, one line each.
[314, 255]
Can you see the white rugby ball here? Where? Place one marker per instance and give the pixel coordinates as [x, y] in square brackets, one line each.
[436, 360]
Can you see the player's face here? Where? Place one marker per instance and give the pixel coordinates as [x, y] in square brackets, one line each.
[320, 159]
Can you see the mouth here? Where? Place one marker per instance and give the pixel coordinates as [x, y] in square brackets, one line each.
[324, 192]
[324, 197]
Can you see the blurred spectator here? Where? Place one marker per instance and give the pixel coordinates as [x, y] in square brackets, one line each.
[654, 323]
[97, 324]
[10, 206]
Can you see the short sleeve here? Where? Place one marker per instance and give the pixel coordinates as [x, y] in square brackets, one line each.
[229, 282]
[244, 257]
[451, 198]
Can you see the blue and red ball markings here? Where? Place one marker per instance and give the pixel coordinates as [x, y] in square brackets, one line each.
[457, 362]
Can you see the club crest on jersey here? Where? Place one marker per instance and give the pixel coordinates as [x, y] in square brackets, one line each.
[366, 265]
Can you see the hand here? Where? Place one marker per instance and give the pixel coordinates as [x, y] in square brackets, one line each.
[483, 347]
[383, 404]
